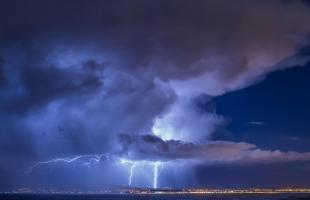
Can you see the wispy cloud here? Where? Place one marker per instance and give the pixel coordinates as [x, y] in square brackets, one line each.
[257, 123]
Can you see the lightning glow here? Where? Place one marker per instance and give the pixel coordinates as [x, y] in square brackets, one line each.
[162, 130]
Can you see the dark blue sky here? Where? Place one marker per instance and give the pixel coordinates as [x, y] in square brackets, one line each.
[280, 104]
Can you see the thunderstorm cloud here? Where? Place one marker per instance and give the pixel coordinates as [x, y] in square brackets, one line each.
[76, 75]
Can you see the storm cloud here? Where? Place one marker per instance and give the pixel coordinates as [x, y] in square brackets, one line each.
[75, 75]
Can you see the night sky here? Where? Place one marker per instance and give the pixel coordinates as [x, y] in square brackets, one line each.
[144, 93]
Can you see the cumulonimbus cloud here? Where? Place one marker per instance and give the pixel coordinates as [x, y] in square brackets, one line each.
[73, 75]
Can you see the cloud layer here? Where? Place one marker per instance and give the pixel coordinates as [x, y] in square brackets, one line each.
[148, 147]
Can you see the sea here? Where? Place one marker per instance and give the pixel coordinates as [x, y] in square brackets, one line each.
[157, 197]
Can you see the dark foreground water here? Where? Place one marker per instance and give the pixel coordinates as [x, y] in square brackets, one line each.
[159, 197]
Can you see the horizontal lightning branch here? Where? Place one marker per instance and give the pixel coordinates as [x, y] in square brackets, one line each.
[83, 160]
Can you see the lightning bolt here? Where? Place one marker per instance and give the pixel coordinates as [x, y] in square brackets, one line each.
[156, 165]
[132, 167]
[89, 159]
[131, 173]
